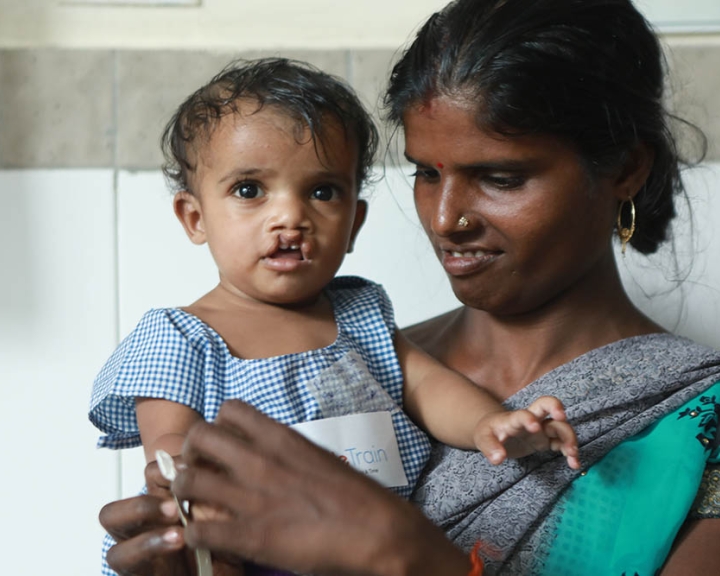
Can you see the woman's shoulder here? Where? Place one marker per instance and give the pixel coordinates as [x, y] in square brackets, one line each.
[430, 334]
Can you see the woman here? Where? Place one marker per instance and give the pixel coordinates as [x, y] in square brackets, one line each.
[538, 133]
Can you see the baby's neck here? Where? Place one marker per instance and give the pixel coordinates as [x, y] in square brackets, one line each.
[253, 329]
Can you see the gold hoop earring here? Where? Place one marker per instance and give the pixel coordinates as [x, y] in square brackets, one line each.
[463, 222]
[625, 233]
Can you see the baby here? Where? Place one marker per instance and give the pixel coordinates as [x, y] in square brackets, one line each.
[268, 160]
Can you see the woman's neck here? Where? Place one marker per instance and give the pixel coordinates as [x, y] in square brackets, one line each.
[505, 353]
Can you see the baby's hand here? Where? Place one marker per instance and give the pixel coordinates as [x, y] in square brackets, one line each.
[542, 426]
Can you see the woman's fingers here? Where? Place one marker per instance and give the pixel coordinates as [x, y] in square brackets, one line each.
[153, 553]
[148, 538]
[127, 518]
[292, 504]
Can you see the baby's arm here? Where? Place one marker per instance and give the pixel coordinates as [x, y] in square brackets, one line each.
[163, 425]
[459, 413]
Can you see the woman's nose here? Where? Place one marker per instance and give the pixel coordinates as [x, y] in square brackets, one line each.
[449, 209]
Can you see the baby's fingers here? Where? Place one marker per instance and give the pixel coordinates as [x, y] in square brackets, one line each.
[488, 443]
[548, 406]
[563, 439]
[512, 434]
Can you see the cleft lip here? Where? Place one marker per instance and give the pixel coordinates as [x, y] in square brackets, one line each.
[289, 243]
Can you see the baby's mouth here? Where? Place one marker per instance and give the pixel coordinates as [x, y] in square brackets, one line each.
[290, 252]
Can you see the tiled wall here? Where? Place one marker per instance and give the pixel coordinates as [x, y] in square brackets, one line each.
[105, 108]
[88, 242]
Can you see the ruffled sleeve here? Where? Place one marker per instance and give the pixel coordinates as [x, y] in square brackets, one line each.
[386, 307]
[164, 357]
[360, 300]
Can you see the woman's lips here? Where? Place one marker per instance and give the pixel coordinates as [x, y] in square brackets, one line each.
[466, 262]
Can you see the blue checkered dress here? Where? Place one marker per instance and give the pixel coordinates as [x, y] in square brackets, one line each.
[175, 356]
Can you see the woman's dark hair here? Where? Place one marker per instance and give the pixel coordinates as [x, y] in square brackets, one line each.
[298, 89]
[590, 72]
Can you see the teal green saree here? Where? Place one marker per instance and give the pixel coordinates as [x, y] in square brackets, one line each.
[646, 413]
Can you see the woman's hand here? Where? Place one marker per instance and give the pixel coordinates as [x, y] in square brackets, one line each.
[297, 507]
[148, 535]
[149, 538]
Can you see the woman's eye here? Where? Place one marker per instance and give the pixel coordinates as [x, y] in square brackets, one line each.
[505, 182]
[248, 190]
[425, 174]
[324, 193]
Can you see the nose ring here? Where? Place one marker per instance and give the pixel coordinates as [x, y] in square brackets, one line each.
[463, 222]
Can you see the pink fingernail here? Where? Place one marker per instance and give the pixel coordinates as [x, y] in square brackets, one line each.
[171, 536]
[169, 509]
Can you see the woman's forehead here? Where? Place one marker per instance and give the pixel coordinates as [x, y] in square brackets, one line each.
[449, 128]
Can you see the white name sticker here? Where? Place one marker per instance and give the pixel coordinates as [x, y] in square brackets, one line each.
[366, 442]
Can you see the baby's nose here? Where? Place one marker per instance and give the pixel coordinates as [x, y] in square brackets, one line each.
[290, 236]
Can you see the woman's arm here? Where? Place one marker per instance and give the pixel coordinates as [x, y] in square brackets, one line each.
[297, 507]
[457, 412]
[696, 550]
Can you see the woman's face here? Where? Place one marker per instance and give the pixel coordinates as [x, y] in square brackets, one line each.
[535, 226]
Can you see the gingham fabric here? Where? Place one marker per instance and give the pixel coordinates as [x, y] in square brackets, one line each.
[175, 356]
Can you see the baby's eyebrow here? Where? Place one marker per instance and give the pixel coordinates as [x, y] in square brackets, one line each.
[242, 172]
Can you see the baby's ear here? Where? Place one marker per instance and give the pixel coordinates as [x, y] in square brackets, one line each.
[360, 215]
[189, 211]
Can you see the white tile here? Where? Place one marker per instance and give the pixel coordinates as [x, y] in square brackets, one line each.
[57, 324]
[679, 287]
[158, 265]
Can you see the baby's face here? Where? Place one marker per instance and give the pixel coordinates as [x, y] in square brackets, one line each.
[277, 210]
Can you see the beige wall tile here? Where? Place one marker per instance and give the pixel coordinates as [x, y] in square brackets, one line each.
[152, 84]
[370, 71]
[55, 108]
[150, 87]
[330, 61]
[695, 87]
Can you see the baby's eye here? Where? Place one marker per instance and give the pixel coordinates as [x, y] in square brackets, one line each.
[324, 193]
[248, 190]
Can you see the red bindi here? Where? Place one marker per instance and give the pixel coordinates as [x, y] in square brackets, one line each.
[440, 165]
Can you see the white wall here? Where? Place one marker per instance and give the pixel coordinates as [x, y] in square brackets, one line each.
[234, 24]
[57, 319]
[262, 24]
[83, 258]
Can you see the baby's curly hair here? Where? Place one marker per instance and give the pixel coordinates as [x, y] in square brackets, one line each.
[304, 92]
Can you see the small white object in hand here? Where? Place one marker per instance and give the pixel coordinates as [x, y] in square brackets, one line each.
[169, 472]
[166, 465]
